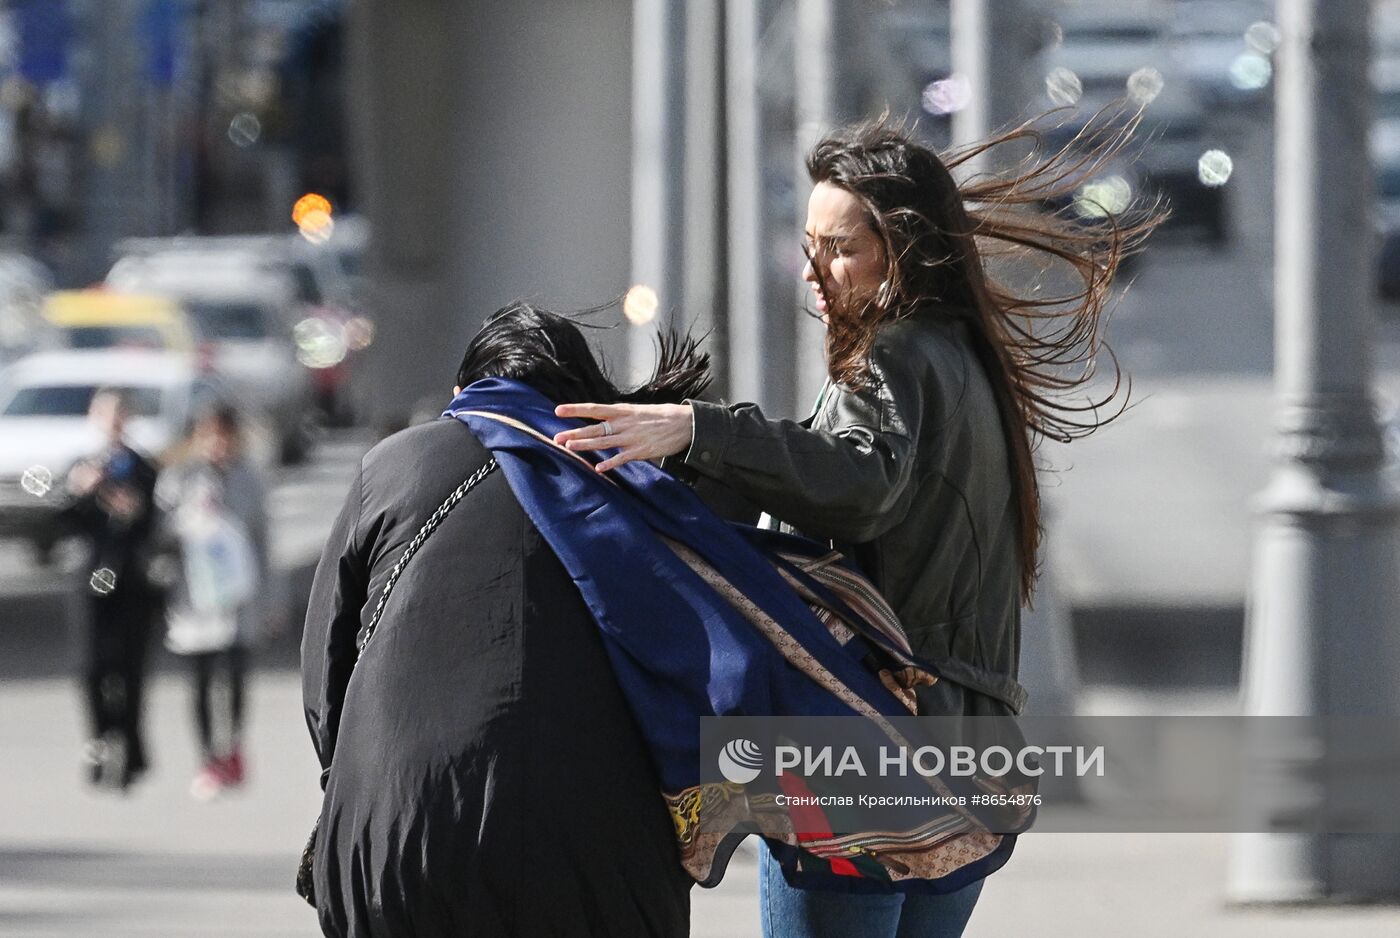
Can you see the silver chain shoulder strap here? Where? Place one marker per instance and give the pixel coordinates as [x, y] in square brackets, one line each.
[428, 527]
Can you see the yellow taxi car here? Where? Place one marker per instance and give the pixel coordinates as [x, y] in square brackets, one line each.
[93, 319]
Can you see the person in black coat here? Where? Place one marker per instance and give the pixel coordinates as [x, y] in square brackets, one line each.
[483, 775]
[112, 507]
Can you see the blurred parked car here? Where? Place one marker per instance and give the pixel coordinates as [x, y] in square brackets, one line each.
[98, 319]
[1104, 47]
[242, 314]
[328, 324]
[1208, 44]
[43, 420]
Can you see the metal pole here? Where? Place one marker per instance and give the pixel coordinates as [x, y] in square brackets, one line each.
[1321, 635]
[658, 106]
[815, 64]
[749, 351]
[704, 269]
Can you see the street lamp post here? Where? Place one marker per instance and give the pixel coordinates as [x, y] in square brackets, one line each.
[1323, 632]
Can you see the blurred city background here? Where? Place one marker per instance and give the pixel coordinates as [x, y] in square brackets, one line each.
[309, 206]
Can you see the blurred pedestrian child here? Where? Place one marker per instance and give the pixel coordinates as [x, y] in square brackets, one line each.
[112, 507]
[219, 600]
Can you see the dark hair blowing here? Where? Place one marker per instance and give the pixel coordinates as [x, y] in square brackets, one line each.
[936, 233]
[548, 351]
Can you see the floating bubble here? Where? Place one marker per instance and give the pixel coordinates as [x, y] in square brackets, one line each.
[1144, 85]
[359, 333]
[245, 129]
[1101, 198]
[1054, 35]
[317, 226]
[1251, 71]
[947, 95]
[37, 480]
[320, 344]
[102, 581]
[1063, 86]
[1214, 168]
[639, 305]
[1262, 36]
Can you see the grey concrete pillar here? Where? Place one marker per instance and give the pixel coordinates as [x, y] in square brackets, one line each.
[1322, 632]
[407, 189]
[495, 149]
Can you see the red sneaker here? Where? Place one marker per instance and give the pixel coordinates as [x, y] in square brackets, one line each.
[231, 768]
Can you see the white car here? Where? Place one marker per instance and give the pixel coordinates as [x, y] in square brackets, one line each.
[242, 314]
[44, 428]
[331, 328]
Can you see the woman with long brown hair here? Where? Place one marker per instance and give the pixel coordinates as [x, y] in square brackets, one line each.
[917, 460]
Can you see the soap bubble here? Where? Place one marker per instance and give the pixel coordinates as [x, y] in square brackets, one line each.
[37, 480]
[102, 581]
[1144, 85]
[1063, 86]
[1214, 168]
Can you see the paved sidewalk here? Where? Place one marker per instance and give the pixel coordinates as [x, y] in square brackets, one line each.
[158, 865]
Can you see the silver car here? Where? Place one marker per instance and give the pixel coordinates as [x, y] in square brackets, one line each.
[242, 314]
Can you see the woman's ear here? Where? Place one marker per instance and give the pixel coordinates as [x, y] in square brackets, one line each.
[456, 390]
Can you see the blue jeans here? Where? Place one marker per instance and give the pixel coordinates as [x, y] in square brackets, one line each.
[808, 913]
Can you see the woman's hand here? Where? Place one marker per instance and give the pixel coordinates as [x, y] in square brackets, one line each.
[637, 431]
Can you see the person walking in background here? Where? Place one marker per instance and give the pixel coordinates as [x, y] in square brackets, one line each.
[220, 598]
[917, 458]
[112, 507]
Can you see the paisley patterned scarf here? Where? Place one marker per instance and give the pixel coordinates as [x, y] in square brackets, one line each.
[701, 618]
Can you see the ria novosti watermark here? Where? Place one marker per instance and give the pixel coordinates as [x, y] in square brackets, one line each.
[1129, 773]
[741, 761]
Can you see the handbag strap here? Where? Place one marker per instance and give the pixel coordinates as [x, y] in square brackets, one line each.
[428, 527]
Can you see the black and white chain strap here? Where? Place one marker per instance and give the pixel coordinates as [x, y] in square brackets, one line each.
[428, 527]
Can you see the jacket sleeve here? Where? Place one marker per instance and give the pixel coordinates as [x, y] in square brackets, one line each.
[338, 593]
[850, 483]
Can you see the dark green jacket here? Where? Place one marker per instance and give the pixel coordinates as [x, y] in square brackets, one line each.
[911, 477]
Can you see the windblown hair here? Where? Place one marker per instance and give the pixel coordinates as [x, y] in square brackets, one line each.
[937, 235]
[549, 352]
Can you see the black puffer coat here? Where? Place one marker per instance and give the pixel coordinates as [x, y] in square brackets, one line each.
[485, 776]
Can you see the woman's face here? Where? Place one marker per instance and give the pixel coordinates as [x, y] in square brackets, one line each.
[845, 247]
